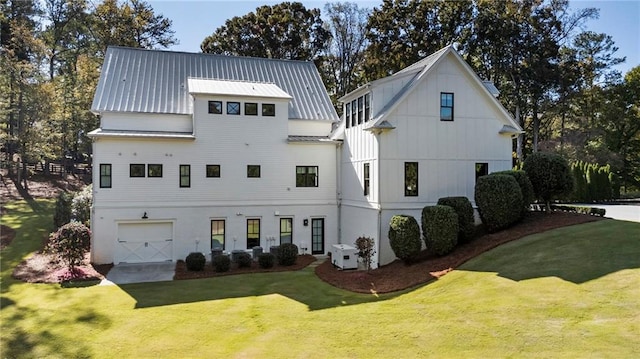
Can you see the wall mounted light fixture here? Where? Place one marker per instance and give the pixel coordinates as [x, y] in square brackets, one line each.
[144, 216]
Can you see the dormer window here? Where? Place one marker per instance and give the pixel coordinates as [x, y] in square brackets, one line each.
[367, 107]
[268, 109]
[347, 114]
[233, 108]
[215, 107]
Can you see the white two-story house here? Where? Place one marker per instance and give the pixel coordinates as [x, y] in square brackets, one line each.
[199, 151]
[426, 132]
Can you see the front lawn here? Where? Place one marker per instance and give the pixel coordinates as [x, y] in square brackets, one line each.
[570, 292]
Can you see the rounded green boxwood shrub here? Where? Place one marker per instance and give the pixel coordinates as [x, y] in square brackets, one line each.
[499, 201]
[195, 261]
[221, 263]
[550, 176]
[404, 237]
[266, 260]
[81, 206]
[70, 242]
[440, 229]
[464, 210]
[287, 254]
[244, 260]
[525, 187]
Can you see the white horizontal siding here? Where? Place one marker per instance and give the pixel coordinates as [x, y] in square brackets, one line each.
[145, 122]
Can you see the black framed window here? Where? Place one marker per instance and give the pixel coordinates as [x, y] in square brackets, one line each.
[215, 107]
[185, 175]
[410, 179]
[253, 233]
[213, 171]
[446, 106]
[360, 109]
[347, 114]
[217, 234]
[367, 107]
[354, 115]
[105, 175]
[154, 170]
[233, 108]
[250, 109]
[366, 179]
[253, 171]
[306, 176]
[136, 170]
[268, 109]
[286, 230]
[482, 169]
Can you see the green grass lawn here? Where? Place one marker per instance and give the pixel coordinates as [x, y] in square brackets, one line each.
[571, 292]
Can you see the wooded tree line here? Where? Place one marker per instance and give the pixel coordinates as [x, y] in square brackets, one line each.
[557, 79]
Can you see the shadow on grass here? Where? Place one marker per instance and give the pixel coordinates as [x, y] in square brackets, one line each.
[302, 286]
[576, 254]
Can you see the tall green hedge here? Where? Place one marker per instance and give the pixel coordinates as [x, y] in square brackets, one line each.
[404, 237]
[594, 182]
[440, 229]
[525, 187]
[464, 210]
[499, 201]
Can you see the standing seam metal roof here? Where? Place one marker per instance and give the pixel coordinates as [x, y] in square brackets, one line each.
[139, 80]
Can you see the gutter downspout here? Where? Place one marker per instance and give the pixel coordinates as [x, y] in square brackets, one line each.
[378, 199]
[339, 188]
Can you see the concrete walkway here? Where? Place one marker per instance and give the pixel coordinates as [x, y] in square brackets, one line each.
[621, 212]
[126, 273]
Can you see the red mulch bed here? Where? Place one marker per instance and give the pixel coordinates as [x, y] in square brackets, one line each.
[398, 276]
[183, 273]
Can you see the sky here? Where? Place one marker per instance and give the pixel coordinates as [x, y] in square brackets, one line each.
[193, 21]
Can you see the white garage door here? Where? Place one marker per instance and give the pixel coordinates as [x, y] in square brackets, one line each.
[144, 242]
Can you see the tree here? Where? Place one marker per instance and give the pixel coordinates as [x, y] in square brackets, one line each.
[342, 63]
[404, 31]
[284, 31]
[550, 176]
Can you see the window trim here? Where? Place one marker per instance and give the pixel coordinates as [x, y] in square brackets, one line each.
[249, 171]
[258, 233]
[212, 108]
[231, 103]
[407, 191]
[143, 173]
[149, 170]
[443, 97]
[103, 177]
[366, 176]
[184, 176]
[307, 175]
[250, 113]
[212, 166]
[265, 106]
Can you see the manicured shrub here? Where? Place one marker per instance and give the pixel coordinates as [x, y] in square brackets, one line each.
[287, 254]
[70, 243]
[404, 237]
[81, 206]
[195, 261]
[440, 229]
[266, 260]
[499, 201]
[62, 214]
[464, 210]
[244, 260]
[366, 250]
[221, 263]
[525, 187]
[550, 176]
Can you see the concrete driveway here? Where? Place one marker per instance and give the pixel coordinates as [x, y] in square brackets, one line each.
[126, 273]
[622, 212]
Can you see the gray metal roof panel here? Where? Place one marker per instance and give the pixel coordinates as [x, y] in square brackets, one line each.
[139, 80]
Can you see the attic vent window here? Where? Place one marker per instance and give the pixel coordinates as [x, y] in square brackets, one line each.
[215, 107]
